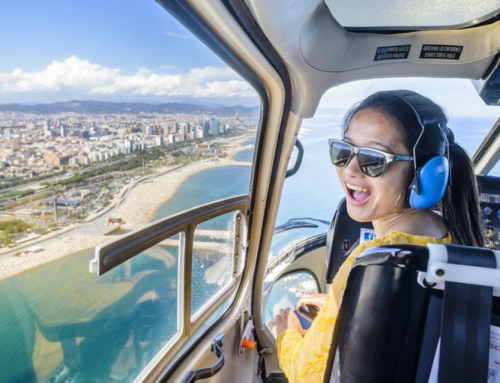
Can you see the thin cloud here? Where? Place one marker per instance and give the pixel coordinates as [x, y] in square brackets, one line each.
[89, 78]
[178, 35]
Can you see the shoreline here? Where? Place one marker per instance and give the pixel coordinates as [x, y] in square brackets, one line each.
[130, 204]
[137, 212]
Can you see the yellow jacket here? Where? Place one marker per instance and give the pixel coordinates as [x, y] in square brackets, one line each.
[303, 358]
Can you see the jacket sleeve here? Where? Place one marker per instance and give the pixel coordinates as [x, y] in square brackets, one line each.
[303, 358]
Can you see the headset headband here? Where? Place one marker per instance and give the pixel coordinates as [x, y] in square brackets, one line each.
[425, 117]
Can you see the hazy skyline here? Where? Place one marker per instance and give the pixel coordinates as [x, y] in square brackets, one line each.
[135, 51]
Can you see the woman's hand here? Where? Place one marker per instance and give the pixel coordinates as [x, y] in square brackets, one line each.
[317, 300]
[284, 320]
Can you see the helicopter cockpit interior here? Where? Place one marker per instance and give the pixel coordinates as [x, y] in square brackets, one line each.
[401, 305]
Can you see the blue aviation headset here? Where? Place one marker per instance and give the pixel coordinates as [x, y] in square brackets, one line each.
[430, 180]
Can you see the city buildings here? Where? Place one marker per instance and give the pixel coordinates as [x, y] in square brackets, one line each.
[33, 144]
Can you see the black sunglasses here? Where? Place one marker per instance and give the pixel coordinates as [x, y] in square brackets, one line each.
[372, 162]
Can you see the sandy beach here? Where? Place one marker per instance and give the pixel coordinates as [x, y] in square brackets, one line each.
[137, 211]
[133, 208]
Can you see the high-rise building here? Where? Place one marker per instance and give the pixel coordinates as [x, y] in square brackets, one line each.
[46, 128]
[159, 141]
[214, 127]
[148, 129]
[64, 131]
[129, 144]
[84, 160]
[206, 128]
[83, 134]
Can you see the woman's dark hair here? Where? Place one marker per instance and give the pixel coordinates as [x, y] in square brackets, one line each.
[460, 204]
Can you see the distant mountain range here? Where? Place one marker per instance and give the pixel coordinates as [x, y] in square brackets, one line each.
[102, 107]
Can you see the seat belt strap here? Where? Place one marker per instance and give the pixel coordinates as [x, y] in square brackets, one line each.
[465, 326]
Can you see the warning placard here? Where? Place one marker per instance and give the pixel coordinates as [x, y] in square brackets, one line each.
[394, 52]
[441, 52]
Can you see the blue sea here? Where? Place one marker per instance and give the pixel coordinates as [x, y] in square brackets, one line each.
[48, 303]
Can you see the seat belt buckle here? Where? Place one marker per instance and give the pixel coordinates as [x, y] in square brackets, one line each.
[439, 271]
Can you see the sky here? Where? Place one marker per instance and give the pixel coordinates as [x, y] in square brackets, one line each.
[135, 51]
[127, 50]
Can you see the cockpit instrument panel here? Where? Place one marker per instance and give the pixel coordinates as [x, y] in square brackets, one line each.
[489, 199]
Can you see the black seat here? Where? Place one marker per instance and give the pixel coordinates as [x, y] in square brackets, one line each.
[389, 323]
[343, 236]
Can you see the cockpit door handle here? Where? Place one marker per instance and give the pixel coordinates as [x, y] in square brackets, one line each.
[298, 161]
[203, 373]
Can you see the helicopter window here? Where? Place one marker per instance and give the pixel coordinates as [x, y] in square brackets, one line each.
[131, 312]
[213, 260]
[390, 14]
[287, 291]
[108, 124]
[314, 191]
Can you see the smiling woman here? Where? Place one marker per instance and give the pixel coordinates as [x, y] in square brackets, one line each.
[380, 189]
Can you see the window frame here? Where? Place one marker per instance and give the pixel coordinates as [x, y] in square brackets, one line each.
[239, 231]
[265, 89]
[117, 251]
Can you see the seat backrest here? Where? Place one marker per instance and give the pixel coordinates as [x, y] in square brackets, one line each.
[342, 237]
[389, 324]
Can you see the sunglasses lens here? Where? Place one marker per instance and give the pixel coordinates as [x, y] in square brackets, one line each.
[371, 163]
[340, 153]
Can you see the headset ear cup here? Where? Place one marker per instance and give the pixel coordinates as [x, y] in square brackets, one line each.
[433, 179]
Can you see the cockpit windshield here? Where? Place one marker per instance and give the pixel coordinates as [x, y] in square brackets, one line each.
[314, 190]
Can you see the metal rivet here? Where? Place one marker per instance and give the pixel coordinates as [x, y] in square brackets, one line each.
[439, 272]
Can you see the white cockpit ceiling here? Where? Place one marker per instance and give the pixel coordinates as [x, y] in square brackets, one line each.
[411, 14]
[321, 54]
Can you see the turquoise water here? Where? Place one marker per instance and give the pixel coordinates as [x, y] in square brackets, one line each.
[58, 300]
[208, 186]
[245, 155]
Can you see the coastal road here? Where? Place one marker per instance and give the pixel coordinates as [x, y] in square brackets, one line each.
[97, 224]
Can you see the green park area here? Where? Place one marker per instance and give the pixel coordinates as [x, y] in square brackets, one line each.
[11, 229]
